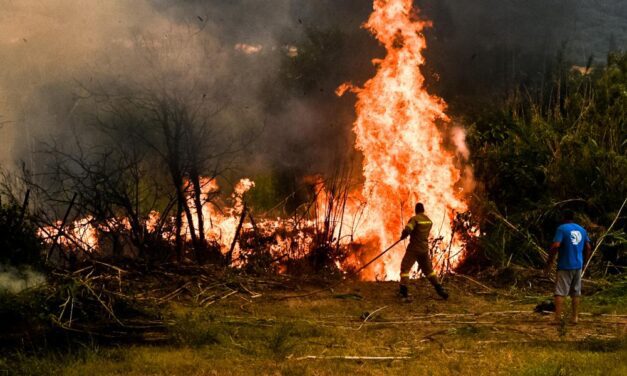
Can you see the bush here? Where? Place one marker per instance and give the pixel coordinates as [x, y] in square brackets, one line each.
[19, 244]
[550, 147]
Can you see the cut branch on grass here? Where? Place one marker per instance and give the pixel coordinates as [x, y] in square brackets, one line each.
[371, 315]
[220, 298]
[477, 282]
[253, 295]
[174, 293]
[102, 303]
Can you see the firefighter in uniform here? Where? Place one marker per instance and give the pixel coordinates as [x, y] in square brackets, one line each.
[418, 229]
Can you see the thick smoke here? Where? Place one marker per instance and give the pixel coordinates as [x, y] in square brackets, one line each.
[479, 48]
[239, 51]
[53, 49]
[46, 47]
[236, 53]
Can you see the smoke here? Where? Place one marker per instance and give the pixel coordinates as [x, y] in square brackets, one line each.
[238, 52]
[13, 280]
[458, 136]
[46, 47]
[50, 50]
[478, 48]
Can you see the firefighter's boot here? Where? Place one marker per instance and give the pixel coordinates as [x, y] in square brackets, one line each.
[403, 292]
[441, 291]
[438, 287]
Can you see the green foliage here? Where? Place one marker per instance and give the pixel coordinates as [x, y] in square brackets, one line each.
[559, 145]
[611, 299]
[263, 197]
[19, 244]
[26, 311]
[278, 189]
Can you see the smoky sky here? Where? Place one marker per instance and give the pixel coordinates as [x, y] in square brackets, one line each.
[485, 46]
[239, 50]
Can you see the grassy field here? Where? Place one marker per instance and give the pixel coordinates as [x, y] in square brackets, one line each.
[481, 330]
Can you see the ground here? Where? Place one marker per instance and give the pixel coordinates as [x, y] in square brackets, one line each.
[263, 328]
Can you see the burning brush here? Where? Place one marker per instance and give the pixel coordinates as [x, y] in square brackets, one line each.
[399, 129]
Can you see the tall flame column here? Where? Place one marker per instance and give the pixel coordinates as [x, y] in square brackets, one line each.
[396, 131]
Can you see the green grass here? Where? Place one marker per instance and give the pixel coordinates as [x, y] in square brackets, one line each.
[267, 336]
[527, 359]
[610, 300]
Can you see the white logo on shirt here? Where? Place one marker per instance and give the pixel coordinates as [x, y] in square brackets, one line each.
[575, 237]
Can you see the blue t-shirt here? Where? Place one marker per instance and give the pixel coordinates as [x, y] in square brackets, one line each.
[572, 239]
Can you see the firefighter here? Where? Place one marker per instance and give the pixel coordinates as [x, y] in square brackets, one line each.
[418, 229]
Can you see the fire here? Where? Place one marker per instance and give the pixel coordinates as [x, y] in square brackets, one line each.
[220, 226]
[80, 233]
[404, 161]
[396, 129]
[291, 238]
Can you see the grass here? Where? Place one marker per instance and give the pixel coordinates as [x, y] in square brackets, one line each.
[609, 300]
[268, 336]
[558, 359]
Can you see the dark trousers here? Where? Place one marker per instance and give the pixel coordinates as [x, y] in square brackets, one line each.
[416, 253]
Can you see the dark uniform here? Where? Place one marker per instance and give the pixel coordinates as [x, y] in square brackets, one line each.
[418, 229]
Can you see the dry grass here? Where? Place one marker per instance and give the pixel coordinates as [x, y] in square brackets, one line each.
[477, 331]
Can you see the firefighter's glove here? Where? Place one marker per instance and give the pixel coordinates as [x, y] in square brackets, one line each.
[404, 234]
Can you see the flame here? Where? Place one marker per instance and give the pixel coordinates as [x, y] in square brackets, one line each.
[396, 129]
[404, 161]
[219, 226]
[81, 233]
[292, 238]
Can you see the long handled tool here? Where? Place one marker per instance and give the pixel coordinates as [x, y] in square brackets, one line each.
[355, 272]
[376, 258]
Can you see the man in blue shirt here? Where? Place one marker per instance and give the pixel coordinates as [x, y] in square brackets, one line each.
[569, 245]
